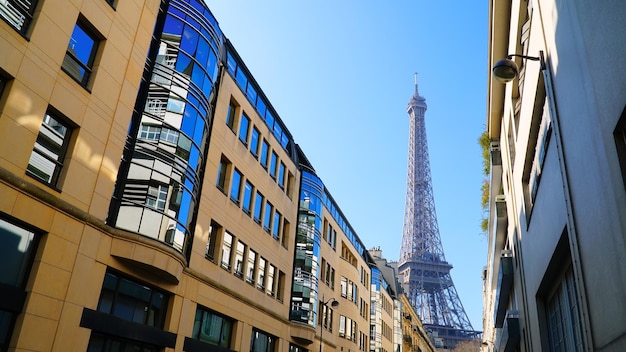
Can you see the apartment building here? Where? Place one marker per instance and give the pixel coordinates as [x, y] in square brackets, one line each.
[555, 278]
[152, 199]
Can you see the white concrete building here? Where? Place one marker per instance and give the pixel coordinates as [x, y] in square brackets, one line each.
[555, 278]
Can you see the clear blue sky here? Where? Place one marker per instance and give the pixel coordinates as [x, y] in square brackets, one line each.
[340, 75]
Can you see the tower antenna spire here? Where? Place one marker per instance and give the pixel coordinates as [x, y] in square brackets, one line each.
[415, 78]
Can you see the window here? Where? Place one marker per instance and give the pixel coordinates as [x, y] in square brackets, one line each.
[46, 160]
[231, 116]
[16, 256]
[271, 272]
[281, 175]
[157, 197]
[260, 280]
[214, 228]
[280, 286]
[258, 207]
[212, 328]
[273, 165]
[132, 301]
[251, 266]
[276, 225]
[267, 220]
[241, 250]
[222, 174]
[81, 53]
[18, 14]
[3, 81]
[104, 343]
[285, 234]
[247, 197]
[227, 244]
[295, 348]
[254, 142]
[262, 342]
[563, 319]
[235, 187]
[264, 153]
[243, 129]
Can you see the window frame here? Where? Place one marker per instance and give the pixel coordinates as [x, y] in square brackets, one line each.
[88, 66]
[63, 148]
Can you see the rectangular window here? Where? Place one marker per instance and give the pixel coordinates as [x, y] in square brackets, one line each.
[290, 184]
[211, 244]
[258, 207]
[231, 116]
[227, 244]
[81, 53]
[248, 189]
[281, 175]
[563, 319]
[254, 142]
[276, 225]
[212, 328]
[267, 220]
[262, 342]
[251, 269]
[132, 301]
[16, 257]
[260, 280]
[18, 14]
[273, 165]
[235, 187]
[243, 129]
[239, 253]
[48, 156]
[222, 174]
[280, 286]
[106, 343]
[157, 196]
[264, 153]
[285, 233]
[271, 272]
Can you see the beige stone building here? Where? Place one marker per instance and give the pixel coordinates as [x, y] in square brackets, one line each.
[555, 277]
[152, 199]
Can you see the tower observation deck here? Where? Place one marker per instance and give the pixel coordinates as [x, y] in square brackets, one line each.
[422, 267]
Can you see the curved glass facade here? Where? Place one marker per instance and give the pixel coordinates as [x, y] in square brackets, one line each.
[158, 187]
[305, 285]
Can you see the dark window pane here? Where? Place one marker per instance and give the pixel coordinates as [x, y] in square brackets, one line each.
[46, 160]
[18, 13]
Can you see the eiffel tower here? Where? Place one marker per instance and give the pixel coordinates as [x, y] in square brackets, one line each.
[422, 267]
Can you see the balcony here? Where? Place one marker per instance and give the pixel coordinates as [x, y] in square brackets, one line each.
[505, 284]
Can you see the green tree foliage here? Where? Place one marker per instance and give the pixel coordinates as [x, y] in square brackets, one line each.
[485, 143]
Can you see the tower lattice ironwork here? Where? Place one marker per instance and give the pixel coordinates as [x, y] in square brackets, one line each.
[423, 269]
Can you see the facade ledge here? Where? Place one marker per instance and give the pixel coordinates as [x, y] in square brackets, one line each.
[303, 334]
[144, 253]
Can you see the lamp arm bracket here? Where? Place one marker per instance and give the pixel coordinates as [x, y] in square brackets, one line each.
[539, 58]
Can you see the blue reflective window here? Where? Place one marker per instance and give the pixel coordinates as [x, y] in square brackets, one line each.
[281, 175]
[267, 219]
[202, 51]
[189, 122]
[81, 51]
[260, 107]
[244, 128]
[194, 157]
[177, 12]
[197, 5]
[211, 65]
[273, 164]
[278, 131]
[198, 133]
[254, 142]
[269, 119]
[184, 64]
[235, 186]
[197, 75]
[251, 92]
[231, 64]
[241, 78]
[264, 153]
[189, 40]
[173, 26]
[258, 207]
[247, 197]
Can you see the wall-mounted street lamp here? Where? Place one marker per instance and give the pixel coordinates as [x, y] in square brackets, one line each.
[506, 69]
[334, 304]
